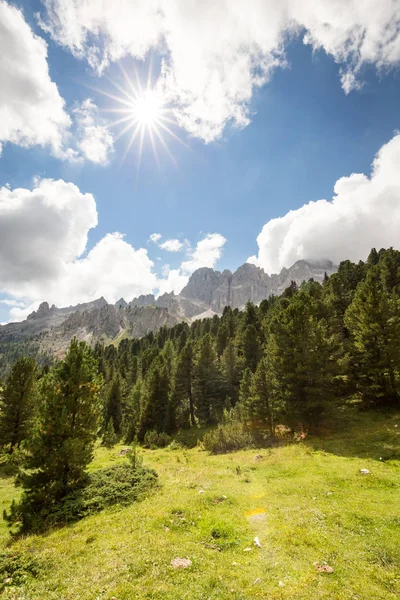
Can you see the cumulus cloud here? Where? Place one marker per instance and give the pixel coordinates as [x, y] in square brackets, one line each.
[217, 53]
[206, 254]
[94, 138]
[32, 112]
[43, 252]
[172, 245]
[43, 238]
[364, 213]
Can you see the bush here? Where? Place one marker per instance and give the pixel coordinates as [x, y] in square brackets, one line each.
[15, 568]
[229, 437]
[153, 439]
[117, 485]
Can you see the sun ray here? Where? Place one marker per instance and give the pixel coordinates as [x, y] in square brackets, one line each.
[144, 111]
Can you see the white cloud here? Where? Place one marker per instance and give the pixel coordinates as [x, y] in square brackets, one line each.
[32, 112]
[216, 53]
[206, 254]
[43, 240]
[172, 245]
[95, 140]
[364, 213]
[43, 236]
[155, 237]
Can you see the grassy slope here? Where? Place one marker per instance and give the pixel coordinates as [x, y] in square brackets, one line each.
[305, 502]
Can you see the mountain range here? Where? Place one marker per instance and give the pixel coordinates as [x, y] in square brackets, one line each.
[206, 293]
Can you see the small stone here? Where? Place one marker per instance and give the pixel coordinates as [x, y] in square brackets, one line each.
[8, 580]
[201, 492]
[365, 472]
[281, 584]
[329, 493]
[257, 542]
[396, 425]
[257, 581]
[323, 568]
[125, 451]
[247, 549]
[181, 563]
[166, 528]
[258, 457]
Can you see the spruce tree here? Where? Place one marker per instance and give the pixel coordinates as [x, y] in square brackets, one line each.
[183, 386]
[17, 403]
[373, 320]
[261, 407]
[65, 432]
[113, 405]
[155, 399]
[207, 382]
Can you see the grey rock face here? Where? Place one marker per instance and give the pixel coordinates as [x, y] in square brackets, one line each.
[207, 292]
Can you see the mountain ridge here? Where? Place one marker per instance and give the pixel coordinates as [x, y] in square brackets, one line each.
[206, 293]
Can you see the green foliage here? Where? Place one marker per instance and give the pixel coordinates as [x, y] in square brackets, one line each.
[63, 439]
[17, 403]
[228, 437]
[16, 568]
[109, 436]
[155, 439]
[116, 485]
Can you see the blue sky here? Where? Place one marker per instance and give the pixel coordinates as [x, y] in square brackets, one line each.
[304, 134]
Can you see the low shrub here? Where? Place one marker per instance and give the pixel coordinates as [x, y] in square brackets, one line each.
[15, 568]
[229, 437]
[153, 439]
[117, 485]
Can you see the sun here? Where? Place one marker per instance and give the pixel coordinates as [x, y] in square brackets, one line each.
[148, 108]
[143, 112]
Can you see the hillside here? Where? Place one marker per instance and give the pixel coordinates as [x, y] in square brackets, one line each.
[306, 502]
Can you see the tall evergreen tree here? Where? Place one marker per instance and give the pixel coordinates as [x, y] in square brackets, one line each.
[183, 386]
[207, 382]
[373, 320]
[113, 405]
[261, 406]
[17, 403]
[155, 399]
[65, 433]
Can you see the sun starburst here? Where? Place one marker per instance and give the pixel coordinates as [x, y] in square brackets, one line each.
[144, 112]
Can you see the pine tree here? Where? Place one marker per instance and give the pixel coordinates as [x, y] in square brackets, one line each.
[260, 403]
[65, 432]
[251, 347]
[132, 412]
[183, 386]
[109, 436]
[231, 371]
[207, 383]
[113, 405]
[155, 399]
[373, 320]
[17, 403]
[301, 357]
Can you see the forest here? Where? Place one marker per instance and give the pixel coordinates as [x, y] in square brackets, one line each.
[246, 377]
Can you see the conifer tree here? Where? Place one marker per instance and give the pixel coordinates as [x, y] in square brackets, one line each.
[260, 402]
[231, 371]
[207, 382]
[251, 347]
[132, 412]
[113, 405]
[65, 432]
[155, 399]
[301, 358]
[373, 320]
[17, 403]
[183, 386]
[109, 436]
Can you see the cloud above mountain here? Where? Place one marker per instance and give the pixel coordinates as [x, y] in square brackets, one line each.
[215, 54]
[363, 213]
[44, 255]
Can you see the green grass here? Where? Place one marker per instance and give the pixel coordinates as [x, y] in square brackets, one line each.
[306, 503]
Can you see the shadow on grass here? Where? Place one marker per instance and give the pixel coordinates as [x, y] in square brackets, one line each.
[363, 434]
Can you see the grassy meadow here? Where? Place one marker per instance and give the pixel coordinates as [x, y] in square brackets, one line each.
[307, 503]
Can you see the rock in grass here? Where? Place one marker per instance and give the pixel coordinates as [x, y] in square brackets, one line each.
[125, 451]
[181, 563]
[323, 568]
[365, 472]
[257, 542]
[258, 457]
